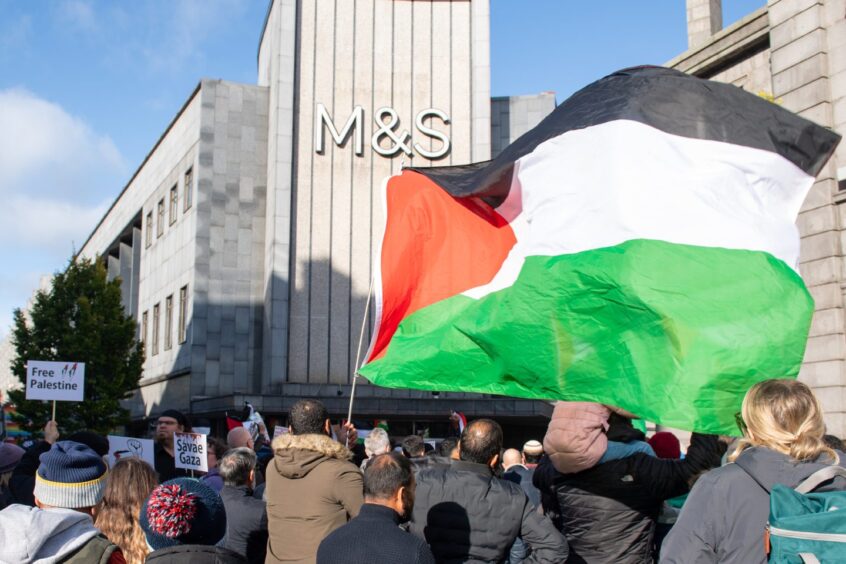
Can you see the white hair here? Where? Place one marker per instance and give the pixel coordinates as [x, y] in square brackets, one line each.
[377, 442]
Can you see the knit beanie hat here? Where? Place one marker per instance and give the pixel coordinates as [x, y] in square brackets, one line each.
[70, 475]
[180, 417]
[533, 448]
[665, 445]
[183, 511]
[10, 455]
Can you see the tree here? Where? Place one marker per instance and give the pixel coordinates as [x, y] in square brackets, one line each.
[80, 319]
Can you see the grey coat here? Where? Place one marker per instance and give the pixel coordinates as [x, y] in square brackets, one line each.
[724, 518]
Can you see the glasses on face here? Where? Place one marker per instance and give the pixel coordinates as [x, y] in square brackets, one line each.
[741, 424]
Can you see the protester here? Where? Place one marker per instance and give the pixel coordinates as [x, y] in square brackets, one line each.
[312, 488]
[169, 422]
[10, 456]
[246, 516]
[467, 514]
[414, 448]
[833, 442]
[183, 520]
[608, 512]
[513, 464]
[22, 482]
[665, 445]
[532, 453]
[376, 443]
[448, 449]
[240, 437]
[70, 481]
[214, 452]
[725, 516]
[374, 537]
[130, 482]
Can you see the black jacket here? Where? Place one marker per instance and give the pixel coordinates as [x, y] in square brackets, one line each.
[166, 465]
[22, 481]
[608, 512]
[468, 515]
[373, 537]
[246, 523]
[522, 476]
[194, 554]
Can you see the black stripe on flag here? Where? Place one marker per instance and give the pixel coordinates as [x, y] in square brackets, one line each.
[666, 99]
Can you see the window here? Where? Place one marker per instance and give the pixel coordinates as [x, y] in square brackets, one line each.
[144, 330]
[160, 224]
[183, 307]
[155, 339]
[168, 322]
[188, 189]
[149, 229]
[174, 197]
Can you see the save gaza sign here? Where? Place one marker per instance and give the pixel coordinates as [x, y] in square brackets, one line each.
[189, 451]
[58, 381]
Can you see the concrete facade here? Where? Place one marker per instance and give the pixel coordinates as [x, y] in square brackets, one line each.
[795, 52]
[273, 257]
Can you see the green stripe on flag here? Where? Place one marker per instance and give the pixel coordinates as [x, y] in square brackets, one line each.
[673, 333]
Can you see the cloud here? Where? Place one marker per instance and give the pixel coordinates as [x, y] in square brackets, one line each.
[46, 151]
[78, 15]
[57, 179]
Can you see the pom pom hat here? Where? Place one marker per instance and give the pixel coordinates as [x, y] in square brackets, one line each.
[70, 475]
[183, 511]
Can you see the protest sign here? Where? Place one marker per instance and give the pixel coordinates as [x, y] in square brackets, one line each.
[189, 450]
[121, 448]
[279, 430]
[57, 381]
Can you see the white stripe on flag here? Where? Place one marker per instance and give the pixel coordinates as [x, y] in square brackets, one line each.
[603, 185]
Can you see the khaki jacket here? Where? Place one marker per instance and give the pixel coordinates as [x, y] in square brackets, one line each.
[312, 489]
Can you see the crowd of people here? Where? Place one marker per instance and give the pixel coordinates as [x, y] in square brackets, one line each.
[595, 490]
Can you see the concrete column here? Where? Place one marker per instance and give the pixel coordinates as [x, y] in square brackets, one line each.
[704, 19]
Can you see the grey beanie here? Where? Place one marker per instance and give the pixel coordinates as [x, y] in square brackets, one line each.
[70, 475]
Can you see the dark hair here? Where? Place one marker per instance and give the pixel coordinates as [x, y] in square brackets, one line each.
[95, 441]
[532, 458]
[833, 442]
[236, 465]
[481, 440]
[446, 446]
[386, 474]
[216, 446]
[308, 416]
[413, 446]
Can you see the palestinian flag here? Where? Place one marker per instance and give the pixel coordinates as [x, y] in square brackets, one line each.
[637, 248]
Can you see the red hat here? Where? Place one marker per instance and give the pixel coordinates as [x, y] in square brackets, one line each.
[665, 445]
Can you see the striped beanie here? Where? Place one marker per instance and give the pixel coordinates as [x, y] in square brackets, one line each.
[182, 511]
[70, 475]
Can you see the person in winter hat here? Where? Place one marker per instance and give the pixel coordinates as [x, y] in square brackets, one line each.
[183, 520]
[70, 481]
[10, 455]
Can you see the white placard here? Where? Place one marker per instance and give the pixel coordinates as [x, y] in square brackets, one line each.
[279, 430]
[121, 448]
[60, 381]
[189, 451]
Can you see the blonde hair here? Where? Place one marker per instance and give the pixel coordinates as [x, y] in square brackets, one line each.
[130, 483]
[785, 416]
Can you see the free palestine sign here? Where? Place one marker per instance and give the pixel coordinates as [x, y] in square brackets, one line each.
[58, 381]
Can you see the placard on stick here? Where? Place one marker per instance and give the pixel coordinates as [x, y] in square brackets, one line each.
[121, 448]
[189, 450]
[57, 381]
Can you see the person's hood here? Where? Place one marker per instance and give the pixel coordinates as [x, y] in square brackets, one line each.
[297, 455]
[770, 467]
[42, 536]
[575, 439]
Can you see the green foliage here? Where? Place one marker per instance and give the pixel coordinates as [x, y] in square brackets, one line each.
[80, 319]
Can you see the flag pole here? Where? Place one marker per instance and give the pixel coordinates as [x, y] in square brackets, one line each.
[358, 351]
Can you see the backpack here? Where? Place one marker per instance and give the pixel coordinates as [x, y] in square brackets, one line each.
[803, 526]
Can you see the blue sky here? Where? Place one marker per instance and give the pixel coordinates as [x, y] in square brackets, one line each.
[88, 86]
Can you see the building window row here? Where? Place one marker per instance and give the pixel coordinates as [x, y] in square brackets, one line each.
[181, 329]
[172, 207]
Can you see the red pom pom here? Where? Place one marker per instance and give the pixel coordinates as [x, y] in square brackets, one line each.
[171, 510]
